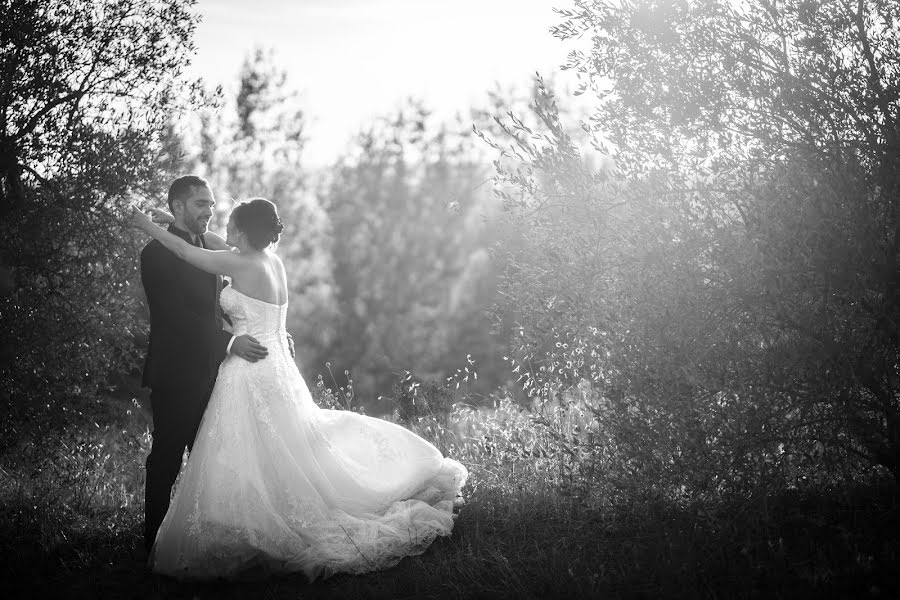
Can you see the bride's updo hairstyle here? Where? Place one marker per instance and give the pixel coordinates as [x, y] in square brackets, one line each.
[258, 219]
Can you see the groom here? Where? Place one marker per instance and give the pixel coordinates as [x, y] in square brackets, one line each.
[187, 343]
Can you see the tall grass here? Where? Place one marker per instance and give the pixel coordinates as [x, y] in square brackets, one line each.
[71, 510]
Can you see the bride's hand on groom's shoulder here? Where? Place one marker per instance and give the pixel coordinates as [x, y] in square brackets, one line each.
[140, 219]
[159, 216]
[156, 216]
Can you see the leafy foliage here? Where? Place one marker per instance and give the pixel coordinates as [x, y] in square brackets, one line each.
[86, 90]
[723, 298]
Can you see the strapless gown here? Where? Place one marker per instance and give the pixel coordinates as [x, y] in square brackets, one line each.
[275, 484]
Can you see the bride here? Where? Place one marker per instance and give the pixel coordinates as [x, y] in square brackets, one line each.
[275, 484]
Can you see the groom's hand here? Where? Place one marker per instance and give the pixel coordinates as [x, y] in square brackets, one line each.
[248, 348]
[290, 342]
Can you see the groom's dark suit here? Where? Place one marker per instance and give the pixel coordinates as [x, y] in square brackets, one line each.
[187, 343]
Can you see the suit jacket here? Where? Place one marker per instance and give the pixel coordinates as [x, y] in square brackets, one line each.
[187, 341]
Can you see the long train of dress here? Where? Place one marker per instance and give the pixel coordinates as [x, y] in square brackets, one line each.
[275, 484]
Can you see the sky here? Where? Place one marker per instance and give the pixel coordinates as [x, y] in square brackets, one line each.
[352, 60]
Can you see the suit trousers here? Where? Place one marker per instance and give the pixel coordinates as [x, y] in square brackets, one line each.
[176, 418]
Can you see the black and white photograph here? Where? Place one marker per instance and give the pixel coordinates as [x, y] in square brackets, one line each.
[408, 299]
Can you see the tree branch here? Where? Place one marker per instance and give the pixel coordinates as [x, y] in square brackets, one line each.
[34, 120]
[874, 74]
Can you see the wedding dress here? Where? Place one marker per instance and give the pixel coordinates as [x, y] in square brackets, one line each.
[275, 484]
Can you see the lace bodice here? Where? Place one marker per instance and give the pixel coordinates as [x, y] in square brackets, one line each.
[263, 320]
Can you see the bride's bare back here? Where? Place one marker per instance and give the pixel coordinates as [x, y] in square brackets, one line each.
[262, 277]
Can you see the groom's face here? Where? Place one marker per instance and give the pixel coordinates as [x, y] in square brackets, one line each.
[197, 209]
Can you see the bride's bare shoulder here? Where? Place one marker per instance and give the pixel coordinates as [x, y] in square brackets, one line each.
[280, 270]
[276, 260]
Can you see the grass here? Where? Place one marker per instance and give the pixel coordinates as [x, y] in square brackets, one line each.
[71, 516]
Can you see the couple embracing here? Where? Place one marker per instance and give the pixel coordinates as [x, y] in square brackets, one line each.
[273, 483]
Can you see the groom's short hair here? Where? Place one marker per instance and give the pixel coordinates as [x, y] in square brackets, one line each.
[182, 186]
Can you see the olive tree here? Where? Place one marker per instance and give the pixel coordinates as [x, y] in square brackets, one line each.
[734, 296]
[86, 90]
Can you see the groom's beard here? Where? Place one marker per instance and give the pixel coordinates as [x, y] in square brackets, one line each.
[198, 226]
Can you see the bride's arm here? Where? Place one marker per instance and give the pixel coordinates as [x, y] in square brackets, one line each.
[219, 262]
[213, 240]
